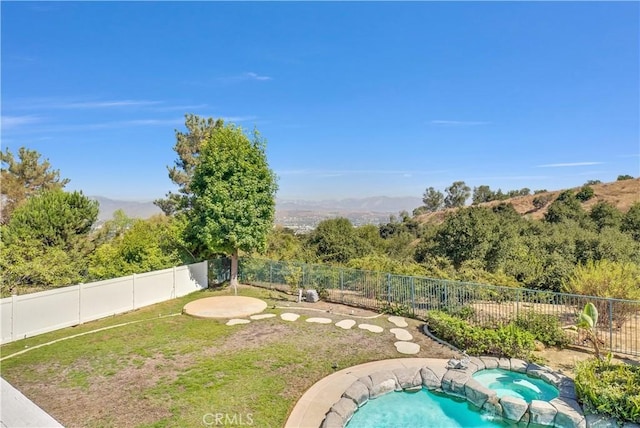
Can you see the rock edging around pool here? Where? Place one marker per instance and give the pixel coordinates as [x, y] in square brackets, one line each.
[563, 411]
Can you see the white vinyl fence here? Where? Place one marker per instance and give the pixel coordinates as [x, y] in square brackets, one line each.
[32, 314]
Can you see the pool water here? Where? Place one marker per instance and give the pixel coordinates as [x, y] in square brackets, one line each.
[422, 409]
[514, 384]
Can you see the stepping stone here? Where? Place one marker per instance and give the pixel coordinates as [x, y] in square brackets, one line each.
[320, 320]
[409, 348]
[398, 321]
[288, 316]
[236, 321]
[401, 334]
[372, 328]
[346, 324]
[262, 316]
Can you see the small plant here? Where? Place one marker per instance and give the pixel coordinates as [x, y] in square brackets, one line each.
[587, 322]
[544, 327]
[397, 309]
[610, 389]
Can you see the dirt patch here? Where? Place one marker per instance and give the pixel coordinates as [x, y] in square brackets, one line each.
[252, 336]
[117, 399]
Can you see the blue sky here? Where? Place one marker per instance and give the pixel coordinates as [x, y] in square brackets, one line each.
[355, 99]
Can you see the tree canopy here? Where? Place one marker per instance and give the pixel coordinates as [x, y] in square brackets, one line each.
[457, 194]
[233, 203]
[188, 146]
[24, 177]
[46, 241]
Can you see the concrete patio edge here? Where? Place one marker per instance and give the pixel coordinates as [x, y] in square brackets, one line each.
[16, 410]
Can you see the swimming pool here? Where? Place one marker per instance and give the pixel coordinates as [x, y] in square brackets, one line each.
[422, 409]
[431, 393]
[519, 385]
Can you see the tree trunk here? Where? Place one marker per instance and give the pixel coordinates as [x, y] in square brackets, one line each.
[234, 271]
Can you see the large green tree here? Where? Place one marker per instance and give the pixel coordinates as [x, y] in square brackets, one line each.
[457, 195]
[482, 194]
[46, 241]
[234, 189]
[188, 146]
[24, 177]
[433, 200]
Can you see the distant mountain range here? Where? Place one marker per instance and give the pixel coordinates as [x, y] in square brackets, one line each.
[133, 209]
[378, 204]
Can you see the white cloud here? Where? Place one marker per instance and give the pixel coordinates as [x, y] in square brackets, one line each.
[254, 76]
[107, 104]
[459, 122]
[10, 122]
[244, 77]
[568, 164]
[75, 103]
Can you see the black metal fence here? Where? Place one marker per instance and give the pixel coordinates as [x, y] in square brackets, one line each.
[618, 325]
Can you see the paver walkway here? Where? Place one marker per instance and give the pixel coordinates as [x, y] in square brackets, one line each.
[242, 310]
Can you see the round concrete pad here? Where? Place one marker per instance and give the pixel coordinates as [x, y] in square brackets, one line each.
[401, 334]
[372, 328]
[346, 324]
[224, 307]
[398, 321]
[320, 320]
[407, 347]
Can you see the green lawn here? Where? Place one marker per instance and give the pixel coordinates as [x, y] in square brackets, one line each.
[175, 371]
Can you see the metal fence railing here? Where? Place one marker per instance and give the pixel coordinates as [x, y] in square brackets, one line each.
[618, 326]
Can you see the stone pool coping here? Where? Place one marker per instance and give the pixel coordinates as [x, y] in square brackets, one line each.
[332, 401]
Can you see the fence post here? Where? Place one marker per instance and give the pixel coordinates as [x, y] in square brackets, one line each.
[270, 272]
[610, 325]
[517, 304]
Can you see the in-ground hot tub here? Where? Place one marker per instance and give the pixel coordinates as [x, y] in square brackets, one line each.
[515, 384]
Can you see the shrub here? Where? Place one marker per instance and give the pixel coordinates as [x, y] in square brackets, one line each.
[506, 341]
[585, 193]
[541, 201]
[544, 327]
[610, 389]
[625, 177]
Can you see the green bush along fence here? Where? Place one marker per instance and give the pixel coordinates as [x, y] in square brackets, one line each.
[618, 325]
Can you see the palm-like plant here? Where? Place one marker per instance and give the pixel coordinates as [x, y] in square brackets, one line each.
[587, 321]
